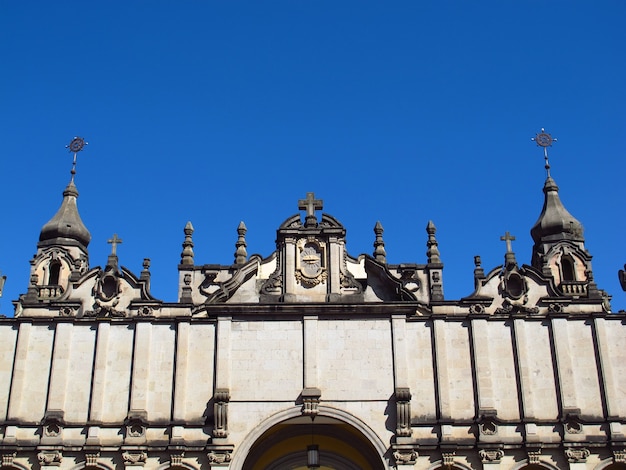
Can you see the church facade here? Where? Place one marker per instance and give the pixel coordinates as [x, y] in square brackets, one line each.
[313, 358]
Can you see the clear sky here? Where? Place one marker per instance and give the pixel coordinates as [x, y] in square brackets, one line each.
[400, 111]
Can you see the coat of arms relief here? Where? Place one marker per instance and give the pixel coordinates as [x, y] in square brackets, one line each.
[311, 262]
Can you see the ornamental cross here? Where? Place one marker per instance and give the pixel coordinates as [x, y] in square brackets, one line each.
[508, 238]
[76, 145]
[310, 205]
[114, 242]
[545, 140]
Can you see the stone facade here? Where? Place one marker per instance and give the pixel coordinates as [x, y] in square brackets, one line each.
[311, 351]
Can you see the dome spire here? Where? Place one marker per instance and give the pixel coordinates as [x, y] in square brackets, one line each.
[66, 227]
[555, 224]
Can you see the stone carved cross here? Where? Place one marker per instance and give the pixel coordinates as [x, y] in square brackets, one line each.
[310, 205]
[114, 242]
[508, 238]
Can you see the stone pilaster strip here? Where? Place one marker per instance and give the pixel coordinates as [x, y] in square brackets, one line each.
[310, 352]
[183, 350]
[223, 353]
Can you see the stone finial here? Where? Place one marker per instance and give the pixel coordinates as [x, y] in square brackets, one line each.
[186, 257]
[432, 244]
[241, 255]
[145, 272]
[379, 245]
[479, 272]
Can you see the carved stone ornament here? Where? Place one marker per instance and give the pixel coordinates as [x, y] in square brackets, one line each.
[108, 285]
[134, 458]
[513, 285]
[218, 457]
[49, 458]
[509, 307]
[176, 459]
[556, 308]
[575, 455]
[448, 458]
[405, 457]
[220, 412]
[310, 402]
[311, 262]
[534, 456]
[403, 412]
[52, 428]
[7, 459]
[488, 427]
[491, 455]
[348, 282]
[135, 428]
[102, 310]
[477, 309]
[67, 311]
[274, 284]
[91, 459]
[145, 311]
[410, 278]
[573, 425]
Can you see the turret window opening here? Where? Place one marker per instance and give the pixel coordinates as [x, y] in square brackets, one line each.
[567, 268]
[55, 271]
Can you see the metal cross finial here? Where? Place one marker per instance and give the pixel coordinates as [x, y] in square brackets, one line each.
[508, 238]
[76, 145]
[543, 139]
[310, 205]
[114, 242]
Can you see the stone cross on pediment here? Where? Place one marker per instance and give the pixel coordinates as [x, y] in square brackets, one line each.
[114, 242]
[310, 205]
[508, 238]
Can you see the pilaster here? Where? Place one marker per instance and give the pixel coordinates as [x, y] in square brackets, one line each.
[310, 351]
[60, 366]
[223, 353]
[441, 361]
[141, 368]
[400, 360]
[565, 366]
[183, 349]
[482, 365]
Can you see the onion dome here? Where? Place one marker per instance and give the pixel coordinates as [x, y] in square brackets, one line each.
[66, 227]
[555, 222]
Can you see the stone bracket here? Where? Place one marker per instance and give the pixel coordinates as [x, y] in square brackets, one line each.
[310, 401]
[403, 411]
[220, 412]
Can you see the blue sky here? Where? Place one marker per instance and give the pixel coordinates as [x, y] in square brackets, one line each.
[402, 112]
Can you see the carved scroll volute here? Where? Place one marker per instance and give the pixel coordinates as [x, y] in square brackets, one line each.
[220, 412]
[403, 412]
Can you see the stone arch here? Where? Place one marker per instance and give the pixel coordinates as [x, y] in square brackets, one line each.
[610, 464]
[98, 465]
[243, 450]
[181, 466]
[16, 466]
[524, 464]
[438, 464]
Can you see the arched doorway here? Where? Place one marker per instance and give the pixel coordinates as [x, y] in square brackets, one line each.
[339, 445]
